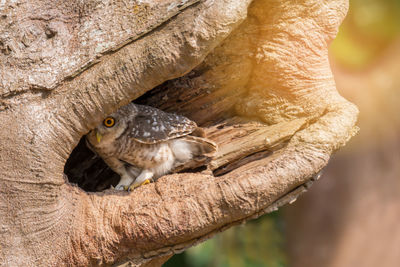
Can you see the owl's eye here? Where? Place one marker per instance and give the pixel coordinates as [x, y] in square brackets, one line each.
[109, 122]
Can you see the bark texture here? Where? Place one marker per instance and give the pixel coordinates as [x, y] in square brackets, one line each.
[255, 75]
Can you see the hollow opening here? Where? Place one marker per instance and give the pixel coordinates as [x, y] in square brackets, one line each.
[87, 170]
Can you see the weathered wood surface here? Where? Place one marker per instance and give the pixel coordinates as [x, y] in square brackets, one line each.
[265, 63]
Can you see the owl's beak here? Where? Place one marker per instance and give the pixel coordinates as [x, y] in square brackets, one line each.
[98, 136]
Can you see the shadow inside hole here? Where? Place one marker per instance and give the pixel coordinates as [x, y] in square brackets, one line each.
[89, 171]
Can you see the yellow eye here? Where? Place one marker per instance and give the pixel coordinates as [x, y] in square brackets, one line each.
[109, 122]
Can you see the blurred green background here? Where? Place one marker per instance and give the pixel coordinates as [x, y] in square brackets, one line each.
[306, 234]
[257, 243]
[370, 26]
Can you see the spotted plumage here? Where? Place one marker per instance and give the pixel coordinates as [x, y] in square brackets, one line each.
[141, 143]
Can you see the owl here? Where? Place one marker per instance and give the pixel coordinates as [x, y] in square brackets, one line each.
[142, 143]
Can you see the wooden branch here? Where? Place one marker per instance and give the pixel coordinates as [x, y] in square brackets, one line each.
[238, 138]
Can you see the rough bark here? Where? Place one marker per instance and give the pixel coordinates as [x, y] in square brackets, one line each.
[255, 75]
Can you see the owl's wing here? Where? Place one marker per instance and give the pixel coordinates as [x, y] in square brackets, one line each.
[152, 125]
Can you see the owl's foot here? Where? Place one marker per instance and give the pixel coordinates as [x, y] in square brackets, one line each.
[144, 178]
[121, 187]
[134, 186]
[124, 183]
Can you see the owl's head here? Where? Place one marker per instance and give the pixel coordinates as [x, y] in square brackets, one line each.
[110, 129]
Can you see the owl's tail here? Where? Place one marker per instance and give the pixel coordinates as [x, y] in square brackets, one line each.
[201, 146]
[192, 152]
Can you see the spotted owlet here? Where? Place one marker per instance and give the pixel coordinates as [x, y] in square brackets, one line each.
[141, 143]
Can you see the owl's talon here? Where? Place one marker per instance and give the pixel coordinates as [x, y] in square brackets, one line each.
[121, 187]
[134, 186]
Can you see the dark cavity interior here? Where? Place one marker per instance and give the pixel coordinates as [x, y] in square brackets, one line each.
[89, 171]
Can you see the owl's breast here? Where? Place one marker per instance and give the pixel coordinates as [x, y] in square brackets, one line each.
[147, 155]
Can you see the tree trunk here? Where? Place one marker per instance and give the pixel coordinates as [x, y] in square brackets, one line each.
[255, 75]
